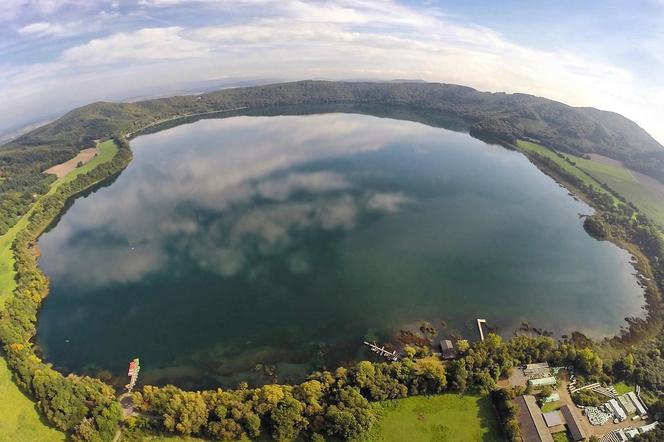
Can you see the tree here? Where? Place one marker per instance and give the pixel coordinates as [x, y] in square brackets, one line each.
[460, 375]
[430, 373]
[349, 415]
[493, 340]
[409, 351]
[287, 420]
[588, 362]
[185, 413]
[310, 393]
[462, 345]
[365, 374]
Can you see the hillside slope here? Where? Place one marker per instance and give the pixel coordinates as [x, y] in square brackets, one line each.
[498, 116]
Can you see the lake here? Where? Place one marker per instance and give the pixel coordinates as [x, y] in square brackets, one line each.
[286, 241]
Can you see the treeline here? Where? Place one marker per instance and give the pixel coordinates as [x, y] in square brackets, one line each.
[507, 412]
[329, 403]
[495, 115]
[336, 403]
[22, 180]
[83, 406]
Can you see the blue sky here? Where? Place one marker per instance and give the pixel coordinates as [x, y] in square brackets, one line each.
[58, 54]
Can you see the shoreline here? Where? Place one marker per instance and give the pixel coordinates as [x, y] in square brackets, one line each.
[649, 326]
[561, 335]
[638, 331]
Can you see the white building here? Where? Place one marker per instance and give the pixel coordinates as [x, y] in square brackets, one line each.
[640, 408]
[617, 410]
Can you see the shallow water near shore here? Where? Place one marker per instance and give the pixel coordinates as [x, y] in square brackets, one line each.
[288, 240]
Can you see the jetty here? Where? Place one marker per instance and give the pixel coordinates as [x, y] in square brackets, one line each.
[134, 368]
[390, 355]
[479, 326]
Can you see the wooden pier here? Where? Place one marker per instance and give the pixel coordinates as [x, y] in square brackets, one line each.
[479, 326]
[390, 355]
[134, 368]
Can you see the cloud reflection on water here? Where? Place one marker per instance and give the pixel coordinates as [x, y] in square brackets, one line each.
[256, 181]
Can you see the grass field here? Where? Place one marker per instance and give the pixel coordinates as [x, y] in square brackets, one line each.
[619, 179]
[623, 388]
[625, 183]
[527, 146]
[446, 417]
[19, 420]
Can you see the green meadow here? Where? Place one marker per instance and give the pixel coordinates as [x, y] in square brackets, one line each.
[445, 417]
[627, 184]
[527, 146]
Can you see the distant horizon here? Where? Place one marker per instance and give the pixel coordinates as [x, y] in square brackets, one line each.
[10, 134]
[61, 54]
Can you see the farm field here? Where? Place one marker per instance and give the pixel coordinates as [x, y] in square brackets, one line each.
[644, 192]
[446, 417]
[527, 146]
[631, 185]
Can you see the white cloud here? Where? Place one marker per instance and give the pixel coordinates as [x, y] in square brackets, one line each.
[12, 9]
[261, 197]
[317, 182]
[145, 44]
[42, 28]
[387, 202]
[292, 39]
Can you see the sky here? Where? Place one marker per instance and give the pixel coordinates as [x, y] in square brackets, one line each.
[59, 54]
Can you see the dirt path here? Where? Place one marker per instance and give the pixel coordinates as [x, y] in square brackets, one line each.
[62, 169]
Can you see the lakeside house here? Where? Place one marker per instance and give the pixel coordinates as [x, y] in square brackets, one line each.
[447, 349]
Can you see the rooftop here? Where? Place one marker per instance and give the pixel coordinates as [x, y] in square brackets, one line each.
[553, 418]
[531, 421]
[573, 424]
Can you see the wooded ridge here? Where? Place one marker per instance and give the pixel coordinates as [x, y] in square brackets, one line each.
[499, 115]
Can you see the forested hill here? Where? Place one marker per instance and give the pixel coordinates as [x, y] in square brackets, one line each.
[498, 116]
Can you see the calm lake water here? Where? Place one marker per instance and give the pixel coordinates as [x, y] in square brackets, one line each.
[287, 240]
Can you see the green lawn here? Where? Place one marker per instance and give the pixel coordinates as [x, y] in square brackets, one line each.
[551, 406]
[19, 420]
[626, 184]
[623, 388]
[446, 417]
[527, 146]
[561, 437]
